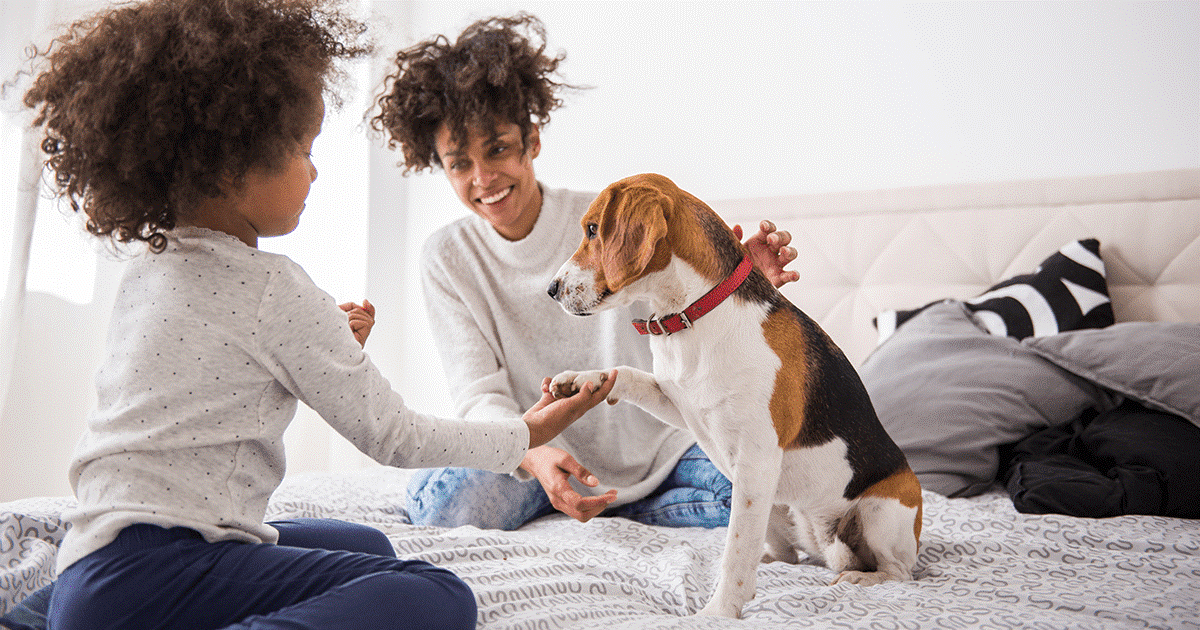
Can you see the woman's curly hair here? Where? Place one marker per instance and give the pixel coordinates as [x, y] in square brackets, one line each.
[496, 72]
[149, 108]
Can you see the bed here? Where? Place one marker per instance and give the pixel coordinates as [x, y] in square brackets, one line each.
[895, 265]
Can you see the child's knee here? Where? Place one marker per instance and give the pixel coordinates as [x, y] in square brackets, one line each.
[455, 607]
[333, 535]
[427, 596]
[375, 542]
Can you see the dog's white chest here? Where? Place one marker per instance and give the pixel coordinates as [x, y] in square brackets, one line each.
[721, 375]
[723, 358]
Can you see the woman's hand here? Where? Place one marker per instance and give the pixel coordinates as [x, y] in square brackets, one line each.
[554, 468]
[362, 319]
[770, 252]
[551, 415]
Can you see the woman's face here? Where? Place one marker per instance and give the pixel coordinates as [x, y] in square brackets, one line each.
[493, 176]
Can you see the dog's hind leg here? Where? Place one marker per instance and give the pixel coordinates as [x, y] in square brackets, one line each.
[830, 535]
[887, 542]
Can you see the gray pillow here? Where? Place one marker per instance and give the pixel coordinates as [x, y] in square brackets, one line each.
[950, 394]
[1155, 363]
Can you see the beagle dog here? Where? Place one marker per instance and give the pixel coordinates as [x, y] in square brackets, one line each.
[773, 402]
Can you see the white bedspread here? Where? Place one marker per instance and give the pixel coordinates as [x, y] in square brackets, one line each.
[981, 565]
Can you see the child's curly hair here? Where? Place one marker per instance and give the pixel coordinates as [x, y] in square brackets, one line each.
[497, 72]
[150, 107]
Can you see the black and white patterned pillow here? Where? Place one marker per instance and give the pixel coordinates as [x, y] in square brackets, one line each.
[1068, 291]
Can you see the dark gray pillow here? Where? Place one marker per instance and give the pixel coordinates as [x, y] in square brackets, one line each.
[1155, 363]
[950, 394]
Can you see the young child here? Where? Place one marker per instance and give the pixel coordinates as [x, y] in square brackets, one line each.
[187, 125]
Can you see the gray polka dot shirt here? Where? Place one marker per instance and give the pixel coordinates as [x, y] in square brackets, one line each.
[210, 346]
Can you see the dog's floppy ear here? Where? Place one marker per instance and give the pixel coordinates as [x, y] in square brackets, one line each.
[631, 227]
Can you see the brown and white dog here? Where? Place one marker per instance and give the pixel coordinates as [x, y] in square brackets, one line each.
[770, 398]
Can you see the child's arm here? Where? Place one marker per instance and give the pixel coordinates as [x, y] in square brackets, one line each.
[362, 319]
[301, 340]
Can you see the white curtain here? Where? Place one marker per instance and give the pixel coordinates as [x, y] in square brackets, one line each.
[19, 177]
[21, 224]
[14, 259]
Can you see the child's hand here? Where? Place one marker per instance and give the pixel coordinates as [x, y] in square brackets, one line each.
[550, 416]
[362, 318]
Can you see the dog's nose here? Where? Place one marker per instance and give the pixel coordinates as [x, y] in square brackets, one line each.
[555, 286]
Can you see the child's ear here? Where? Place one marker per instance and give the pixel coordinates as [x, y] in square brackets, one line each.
[229, 183]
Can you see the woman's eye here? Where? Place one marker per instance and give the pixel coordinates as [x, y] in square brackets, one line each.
[591, 230]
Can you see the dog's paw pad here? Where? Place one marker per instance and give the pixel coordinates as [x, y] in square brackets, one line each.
[568, 384]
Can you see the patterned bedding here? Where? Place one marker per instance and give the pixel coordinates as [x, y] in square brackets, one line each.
[981, 565]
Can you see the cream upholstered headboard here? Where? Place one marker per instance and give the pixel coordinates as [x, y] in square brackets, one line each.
[868, 251]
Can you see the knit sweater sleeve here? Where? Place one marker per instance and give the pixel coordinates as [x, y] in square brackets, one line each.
[471, 357]
[306, 343]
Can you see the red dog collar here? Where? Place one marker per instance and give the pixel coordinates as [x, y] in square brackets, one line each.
[676, 322]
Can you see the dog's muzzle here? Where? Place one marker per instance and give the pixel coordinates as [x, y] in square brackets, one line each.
[558, 291]
[572, 288]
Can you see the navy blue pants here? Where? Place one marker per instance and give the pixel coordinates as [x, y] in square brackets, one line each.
[323, 574]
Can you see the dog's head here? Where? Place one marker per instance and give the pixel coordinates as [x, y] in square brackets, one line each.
[625, 238]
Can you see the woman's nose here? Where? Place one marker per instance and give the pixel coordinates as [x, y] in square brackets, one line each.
[483, 176]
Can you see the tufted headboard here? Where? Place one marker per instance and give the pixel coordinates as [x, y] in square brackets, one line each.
[868, 251]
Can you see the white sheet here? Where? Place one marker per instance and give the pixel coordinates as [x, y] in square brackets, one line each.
[981, 565]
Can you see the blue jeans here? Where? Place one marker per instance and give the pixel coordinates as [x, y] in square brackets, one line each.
[323, 574]
[695, 494]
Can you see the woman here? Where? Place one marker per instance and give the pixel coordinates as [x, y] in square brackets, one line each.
[475, 109]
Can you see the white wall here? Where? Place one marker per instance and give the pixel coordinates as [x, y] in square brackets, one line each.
[768, 98]
[728, 99]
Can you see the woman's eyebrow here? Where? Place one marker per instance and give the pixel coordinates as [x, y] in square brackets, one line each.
[499, 136]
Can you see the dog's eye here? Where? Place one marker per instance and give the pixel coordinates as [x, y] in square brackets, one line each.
[591, 230]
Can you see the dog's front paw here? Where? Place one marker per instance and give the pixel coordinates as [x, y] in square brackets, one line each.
[568, 383]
